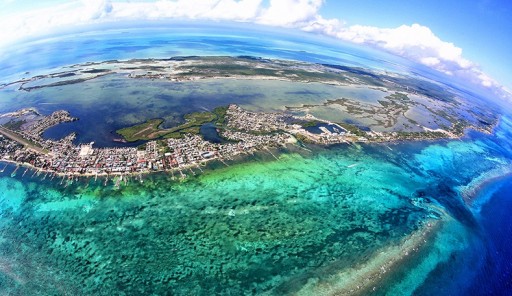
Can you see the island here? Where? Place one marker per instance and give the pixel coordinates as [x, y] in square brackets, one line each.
[181, 148]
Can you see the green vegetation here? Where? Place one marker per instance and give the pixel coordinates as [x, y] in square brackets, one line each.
[249, 66]
[180, 133]
[220, 112]
[223, 69]
[303, 139]
[145, 131]
[353, 129]
[15, 125]
[150, 130]
[420, 135]
[310, 123]
[20, 139]
[163, 147]
[195, 118]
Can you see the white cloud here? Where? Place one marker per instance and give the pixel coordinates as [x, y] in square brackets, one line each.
[414, 42]
[289, 13]
[95, 9]
[243, 10]
[417, 43]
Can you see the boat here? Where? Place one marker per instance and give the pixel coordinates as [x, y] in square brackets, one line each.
[117, 182]
[13, 174]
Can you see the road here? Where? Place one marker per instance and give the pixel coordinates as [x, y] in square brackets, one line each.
[21, 140]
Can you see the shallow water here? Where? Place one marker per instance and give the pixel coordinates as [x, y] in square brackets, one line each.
[309, 222]
[109, 103]
[243, 228]
[262, 226]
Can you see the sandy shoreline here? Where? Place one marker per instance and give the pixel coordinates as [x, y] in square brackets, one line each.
[367, 277]
[471, 191]
[182, 172]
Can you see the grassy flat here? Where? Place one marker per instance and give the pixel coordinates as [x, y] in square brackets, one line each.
[145, 131]
[149, 130]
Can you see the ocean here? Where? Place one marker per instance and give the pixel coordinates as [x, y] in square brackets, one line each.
[405, 218]
[264, 225]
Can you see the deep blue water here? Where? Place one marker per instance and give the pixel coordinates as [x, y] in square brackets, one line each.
[478, 262]
[182, 39]
[496, 222]
[316, 129]
[473, 257]
[209, 132]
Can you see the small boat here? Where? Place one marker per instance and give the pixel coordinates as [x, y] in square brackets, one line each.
[13, 174]
[117, 183]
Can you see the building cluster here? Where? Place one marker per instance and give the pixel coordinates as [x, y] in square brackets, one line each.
[34, 129]
[37, 127]
[9, 147]
[11, 150]
[248, 141]
[164, 155]
[251, 123]
[243, 120]
[21, 112]
[246, 132]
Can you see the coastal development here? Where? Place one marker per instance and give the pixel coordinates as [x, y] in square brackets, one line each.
[302, 186]
[244, 133]
[179, 151]
[182, 149]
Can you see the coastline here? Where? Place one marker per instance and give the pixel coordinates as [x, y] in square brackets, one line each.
[471, 192]
[468, 191]
[367, 277]
[182, 172]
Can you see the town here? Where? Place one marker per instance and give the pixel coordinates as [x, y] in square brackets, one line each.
[244, 132]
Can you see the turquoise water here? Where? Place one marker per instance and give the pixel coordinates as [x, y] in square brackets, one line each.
[420, 218]
[182, 39]
[262, 226]
[109, 103]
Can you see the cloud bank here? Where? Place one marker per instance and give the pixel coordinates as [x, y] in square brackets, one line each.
[414, 42]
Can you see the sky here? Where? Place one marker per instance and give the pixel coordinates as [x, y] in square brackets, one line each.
[482, 28]
[467, 39]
